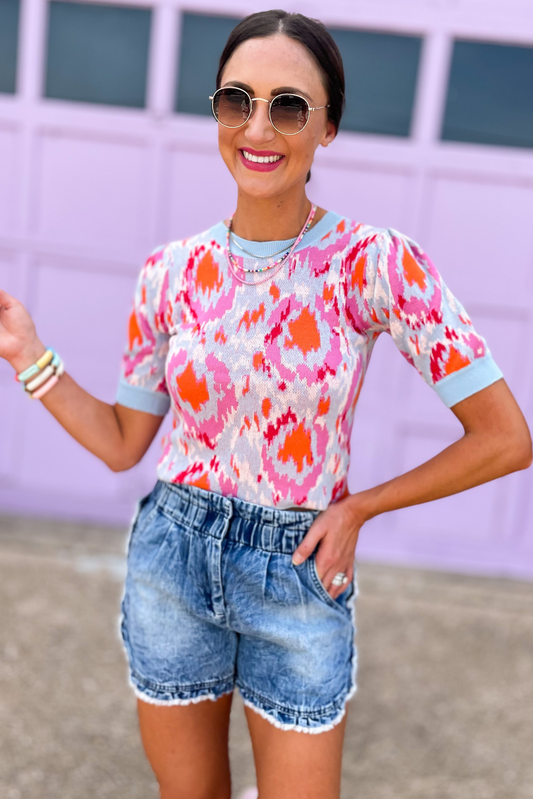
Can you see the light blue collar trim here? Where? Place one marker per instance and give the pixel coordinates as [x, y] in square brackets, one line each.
[259, 248]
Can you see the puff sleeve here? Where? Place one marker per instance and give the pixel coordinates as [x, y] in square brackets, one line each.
[142, 384]
[401, 292]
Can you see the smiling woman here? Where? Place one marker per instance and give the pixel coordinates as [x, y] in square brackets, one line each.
[316, 65]
[258, 333]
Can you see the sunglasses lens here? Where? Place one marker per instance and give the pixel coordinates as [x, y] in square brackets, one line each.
[231, 107]
[289, 113]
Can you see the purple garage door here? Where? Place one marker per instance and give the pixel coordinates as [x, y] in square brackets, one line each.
[87, 190]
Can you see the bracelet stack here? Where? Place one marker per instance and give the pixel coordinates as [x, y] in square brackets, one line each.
[43, 375]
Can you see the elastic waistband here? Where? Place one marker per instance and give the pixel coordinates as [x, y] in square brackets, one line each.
[271, 528]
[233, 506]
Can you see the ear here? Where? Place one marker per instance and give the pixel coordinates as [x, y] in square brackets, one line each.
[329, 134]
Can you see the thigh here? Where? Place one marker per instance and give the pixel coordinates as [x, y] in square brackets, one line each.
[296, 765]
[187, 747]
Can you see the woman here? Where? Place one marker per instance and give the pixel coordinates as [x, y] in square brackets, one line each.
[258, 333]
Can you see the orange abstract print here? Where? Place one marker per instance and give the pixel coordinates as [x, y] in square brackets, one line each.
[208, 277]
[191, 389]
[263, 381]
[455, 361]
[304, 332]
[134, 333]
[412, 271]
[297, 447]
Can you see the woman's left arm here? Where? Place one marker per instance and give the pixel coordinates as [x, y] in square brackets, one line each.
[496, 442]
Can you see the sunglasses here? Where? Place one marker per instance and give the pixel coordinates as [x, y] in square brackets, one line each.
[288, 113]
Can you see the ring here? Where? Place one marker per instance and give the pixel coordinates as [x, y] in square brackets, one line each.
[339, 579]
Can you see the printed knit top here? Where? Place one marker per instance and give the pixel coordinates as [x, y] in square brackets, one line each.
[263, 380]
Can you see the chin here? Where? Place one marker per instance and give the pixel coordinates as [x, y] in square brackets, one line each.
[260, 189]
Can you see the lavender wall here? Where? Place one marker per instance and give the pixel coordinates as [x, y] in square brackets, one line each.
[87, 192]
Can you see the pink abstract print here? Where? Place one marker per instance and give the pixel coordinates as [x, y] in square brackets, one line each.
[263, 380]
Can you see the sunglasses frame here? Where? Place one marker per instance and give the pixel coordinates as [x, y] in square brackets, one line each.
[252, 99]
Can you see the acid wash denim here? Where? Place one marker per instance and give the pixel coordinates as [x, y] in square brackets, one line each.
[213, 600]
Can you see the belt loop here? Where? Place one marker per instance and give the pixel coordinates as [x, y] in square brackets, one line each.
[228, 507]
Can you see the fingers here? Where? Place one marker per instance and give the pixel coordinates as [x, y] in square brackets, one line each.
[330, 563]
[336, 552]
[326, 580]
[315, 533]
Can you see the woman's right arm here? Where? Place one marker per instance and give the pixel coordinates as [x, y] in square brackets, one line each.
[118, 435]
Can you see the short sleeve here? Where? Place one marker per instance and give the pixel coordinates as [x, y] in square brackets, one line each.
[142, 383]
[402, 293]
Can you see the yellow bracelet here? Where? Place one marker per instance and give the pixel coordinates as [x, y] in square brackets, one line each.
[45, 359]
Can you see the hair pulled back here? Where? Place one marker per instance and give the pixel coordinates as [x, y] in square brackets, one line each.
[312, 34]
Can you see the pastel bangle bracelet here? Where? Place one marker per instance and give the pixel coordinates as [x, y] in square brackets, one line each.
[51, 383]
[27, 373]
[32, 370]
[45, 359]
[46, 388]
[40, 379]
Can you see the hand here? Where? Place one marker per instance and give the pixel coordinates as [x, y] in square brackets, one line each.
[19, 344]
[338, 530]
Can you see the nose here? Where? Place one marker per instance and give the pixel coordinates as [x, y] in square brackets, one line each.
[259, 128]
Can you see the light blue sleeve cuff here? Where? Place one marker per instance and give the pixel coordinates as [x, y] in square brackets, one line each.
[482, 372]
[142, 399]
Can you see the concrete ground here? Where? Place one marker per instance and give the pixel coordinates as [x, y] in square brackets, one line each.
[443, 709]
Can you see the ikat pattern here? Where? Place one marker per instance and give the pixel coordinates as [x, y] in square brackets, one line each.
[263, 381]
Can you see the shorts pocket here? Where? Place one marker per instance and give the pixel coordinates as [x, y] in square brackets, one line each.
[318, 582]
[320, 591]
[143, 514]
[149, 538]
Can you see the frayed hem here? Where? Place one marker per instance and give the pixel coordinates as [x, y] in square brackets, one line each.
[193, 700]
[280, 725]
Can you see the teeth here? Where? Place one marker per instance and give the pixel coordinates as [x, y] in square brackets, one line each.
[258, 159]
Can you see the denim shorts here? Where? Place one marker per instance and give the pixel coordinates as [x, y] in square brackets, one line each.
[213, 600]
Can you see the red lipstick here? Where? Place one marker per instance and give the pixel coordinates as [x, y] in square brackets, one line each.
[267, 166]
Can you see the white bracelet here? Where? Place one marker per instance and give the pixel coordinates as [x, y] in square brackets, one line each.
[40, 379]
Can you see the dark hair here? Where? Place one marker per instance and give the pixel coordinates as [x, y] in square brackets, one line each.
[315, 38]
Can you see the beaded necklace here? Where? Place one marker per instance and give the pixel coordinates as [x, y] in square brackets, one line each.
[276, 266]
[263, 257]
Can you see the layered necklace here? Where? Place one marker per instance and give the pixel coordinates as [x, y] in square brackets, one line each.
[273, 267]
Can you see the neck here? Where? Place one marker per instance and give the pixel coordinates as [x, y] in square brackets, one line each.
[270, 219]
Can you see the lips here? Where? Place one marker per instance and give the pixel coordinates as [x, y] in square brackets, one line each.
[267, 166]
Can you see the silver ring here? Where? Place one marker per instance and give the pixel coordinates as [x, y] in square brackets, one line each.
[339, 579]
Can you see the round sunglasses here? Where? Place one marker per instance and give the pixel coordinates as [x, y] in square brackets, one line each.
[288, 113]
